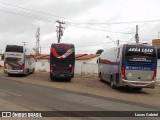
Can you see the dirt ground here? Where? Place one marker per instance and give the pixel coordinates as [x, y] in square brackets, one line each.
[92, 85]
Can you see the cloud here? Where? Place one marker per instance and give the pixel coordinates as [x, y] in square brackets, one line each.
[17, 28]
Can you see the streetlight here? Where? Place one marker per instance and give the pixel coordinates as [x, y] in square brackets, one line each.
[113, 40]
[24, 43]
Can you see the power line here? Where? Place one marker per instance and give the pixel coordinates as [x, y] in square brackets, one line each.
[111, 31]
[50, 21]
[79, 22]
[40, 12]
[25, 16]
[48, 15]
[29, 9]
[147, 21]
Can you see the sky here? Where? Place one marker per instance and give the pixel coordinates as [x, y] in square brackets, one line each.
[87, 22]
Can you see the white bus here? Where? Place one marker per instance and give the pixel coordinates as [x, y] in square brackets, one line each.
[129, 65]
[18, 60]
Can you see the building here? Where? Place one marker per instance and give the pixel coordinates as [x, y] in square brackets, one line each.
[1, 56]
[87, 58]
[83, 58]
[86, 64]
[42, 58]
[156, 42]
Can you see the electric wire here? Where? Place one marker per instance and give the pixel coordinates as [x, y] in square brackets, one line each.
[52, 17]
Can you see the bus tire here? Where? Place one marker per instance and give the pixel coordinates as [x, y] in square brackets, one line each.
[100, 76]
[27, 72]
[68, 79]
[51, 78]
[137, 89]
[9, 75]
[112, 83]
[33, 70]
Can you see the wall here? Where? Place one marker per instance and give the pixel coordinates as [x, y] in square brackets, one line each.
[93, 60]
[158, 70]
[89, 69]
[42, 60]
[80, 68]
[86, 69]
[1, 63]
[43, 66]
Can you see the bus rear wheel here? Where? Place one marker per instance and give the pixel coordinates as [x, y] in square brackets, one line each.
[137, 89]
[52, 79]
[68, 79]
[112, 83]
[27, 72]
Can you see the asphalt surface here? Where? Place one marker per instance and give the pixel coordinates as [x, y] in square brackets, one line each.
[26, 96]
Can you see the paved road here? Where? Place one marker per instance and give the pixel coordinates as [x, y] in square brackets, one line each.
[41, 98]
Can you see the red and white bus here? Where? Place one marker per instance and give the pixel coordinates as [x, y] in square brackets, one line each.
[62, 61]
[18, 60]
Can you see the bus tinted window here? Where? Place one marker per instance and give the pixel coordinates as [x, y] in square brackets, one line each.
[11, 59]
[140, 54]
[14, 49]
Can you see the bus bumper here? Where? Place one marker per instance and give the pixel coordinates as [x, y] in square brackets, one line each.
[61, 75]
[13, 71]
[138, 84]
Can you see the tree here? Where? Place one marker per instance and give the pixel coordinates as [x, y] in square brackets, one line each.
[99, 51]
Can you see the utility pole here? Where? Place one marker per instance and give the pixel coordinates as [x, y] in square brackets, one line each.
[158, 34]
[38, 40]
[117, 42]
[24, 43]
[60, 30]
[136, 35]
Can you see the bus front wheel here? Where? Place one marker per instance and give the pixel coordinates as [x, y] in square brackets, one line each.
[100, 77]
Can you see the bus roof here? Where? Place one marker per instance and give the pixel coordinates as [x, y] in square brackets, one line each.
[62, 44]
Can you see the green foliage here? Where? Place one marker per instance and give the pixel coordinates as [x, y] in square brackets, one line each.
[99, 51]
